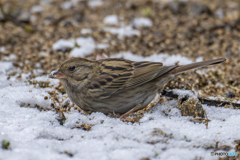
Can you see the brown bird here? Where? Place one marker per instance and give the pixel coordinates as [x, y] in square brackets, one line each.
[117, 85]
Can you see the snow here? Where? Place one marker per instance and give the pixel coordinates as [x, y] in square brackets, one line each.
[36, 134]
[163, 57]
[5, 66]
[184, 93]
[95, 3]
[219, 13]
[127, 31]
[85, 31]
[66, 5]
[62, 44]
[102, 46]
[81, 46]
[11, 57]
[203, 71]
[142, 22]
[36, 9]
[32, 132]
[84, 46]
[2, 49]
[87, 46]
[111, 20]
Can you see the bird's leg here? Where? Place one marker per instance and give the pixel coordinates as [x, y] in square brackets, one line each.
[137, 107]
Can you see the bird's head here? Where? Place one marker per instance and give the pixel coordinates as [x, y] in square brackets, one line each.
[73, 70]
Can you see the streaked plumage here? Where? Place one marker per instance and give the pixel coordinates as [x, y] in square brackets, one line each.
[117, 85]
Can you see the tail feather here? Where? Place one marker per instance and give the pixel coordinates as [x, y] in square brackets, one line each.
[183, 68]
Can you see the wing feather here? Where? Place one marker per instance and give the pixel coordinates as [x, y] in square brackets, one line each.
[119, 75]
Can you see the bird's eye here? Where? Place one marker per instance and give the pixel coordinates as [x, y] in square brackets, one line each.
[72, 68]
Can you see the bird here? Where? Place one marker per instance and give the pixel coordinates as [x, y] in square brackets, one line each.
[117, 85]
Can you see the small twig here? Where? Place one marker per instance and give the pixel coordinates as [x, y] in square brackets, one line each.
[203, 100]
[207, 120]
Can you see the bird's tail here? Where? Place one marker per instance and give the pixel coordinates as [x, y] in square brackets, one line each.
[183, 68]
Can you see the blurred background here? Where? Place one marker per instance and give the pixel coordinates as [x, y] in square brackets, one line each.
[34, 34]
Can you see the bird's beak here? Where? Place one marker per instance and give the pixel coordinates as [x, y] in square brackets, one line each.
[56, 75]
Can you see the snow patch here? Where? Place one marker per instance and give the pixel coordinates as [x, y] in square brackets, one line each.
[142, 22]
[87, 46]
[62, 44]
[102, 46]
[95, 3]
[5, 66]
[66, 5]
[36, 9]
[2, 49]
[81, 46]
[10, 58]
[127, 31]
[86, 31]
[111, 20]
[184, 93]
[166, 59]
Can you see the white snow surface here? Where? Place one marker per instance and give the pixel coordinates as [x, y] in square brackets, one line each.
[124, 31]
[95, 3]
[81, 46]
[5, 66]
[37, 135]
[142, 22]
[166, 59]
[85, 31]
[184, 93]
[111, 20]
[66, 5]
[36, 9]
[87, 46]
[63, 44]
[2, 49]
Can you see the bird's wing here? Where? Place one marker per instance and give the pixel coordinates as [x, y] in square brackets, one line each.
[117, 75]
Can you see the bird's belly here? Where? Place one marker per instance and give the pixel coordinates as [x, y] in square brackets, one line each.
[121, 103]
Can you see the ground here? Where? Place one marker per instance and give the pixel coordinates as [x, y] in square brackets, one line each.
[37, 120]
